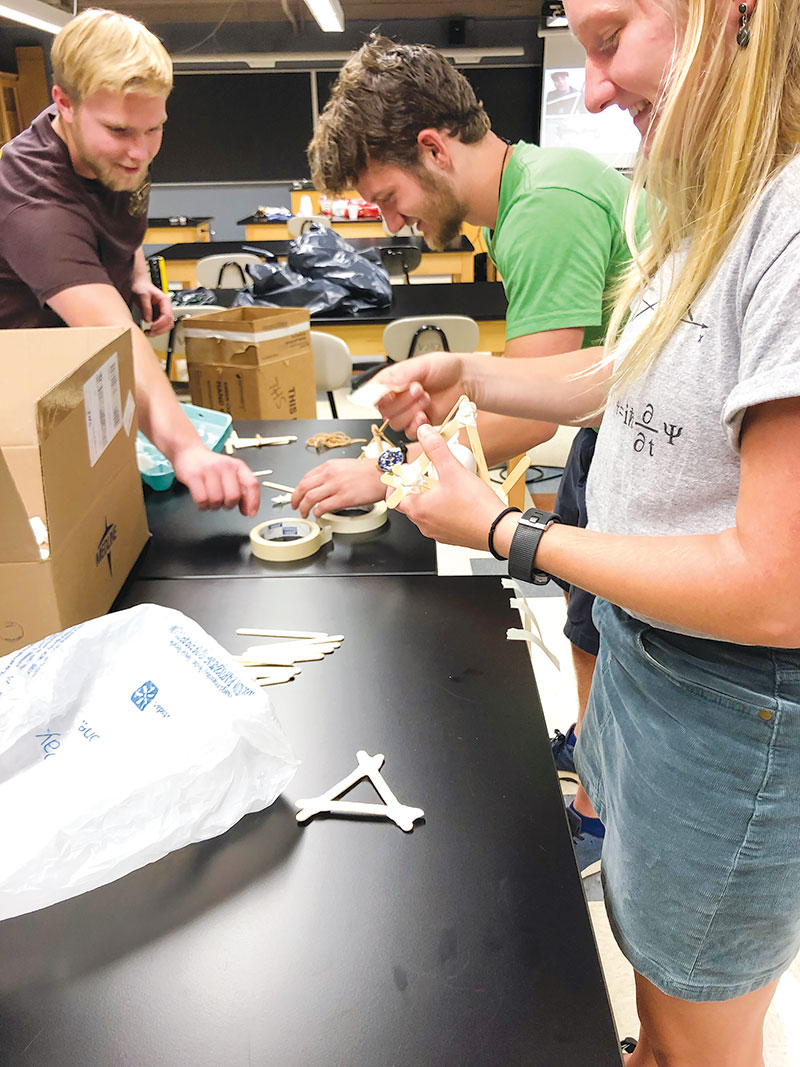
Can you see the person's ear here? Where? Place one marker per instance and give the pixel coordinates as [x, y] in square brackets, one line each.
[66, 108]
[433, 148]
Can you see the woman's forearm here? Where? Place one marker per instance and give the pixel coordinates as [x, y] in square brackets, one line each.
[568, 389]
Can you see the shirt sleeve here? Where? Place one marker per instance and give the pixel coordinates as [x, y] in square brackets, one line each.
[556, 247]
[769, 363]
[51, 248]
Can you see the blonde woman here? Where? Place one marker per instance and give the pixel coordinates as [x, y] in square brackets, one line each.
[690, 750]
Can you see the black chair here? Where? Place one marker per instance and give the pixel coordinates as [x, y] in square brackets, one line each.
[400, 260]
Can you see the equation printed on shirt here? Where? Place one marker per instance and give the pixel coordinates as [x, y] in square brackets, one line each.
[647, 431]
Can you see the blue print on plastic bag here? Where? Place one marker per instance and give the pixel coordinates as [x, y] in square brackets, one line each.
[142, 696]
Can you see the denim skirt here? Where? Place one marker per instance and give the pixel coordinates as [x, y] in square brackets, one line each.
[690, 752]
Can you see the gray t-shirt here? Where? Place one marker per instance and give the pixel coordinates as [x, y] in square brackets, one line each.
[667, 459]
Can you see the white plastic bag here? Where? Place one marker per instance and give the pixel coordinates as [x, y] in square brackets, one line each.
[122, 739]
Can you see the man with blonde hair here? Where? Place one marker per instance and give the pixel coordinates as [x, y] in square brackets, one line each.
[74, 192]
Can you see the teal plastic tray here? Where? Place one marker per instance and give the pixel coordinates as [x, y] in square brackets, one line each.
[156, 470]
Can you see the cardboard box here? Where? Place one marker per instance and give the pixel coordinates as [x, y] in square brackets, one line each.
[67, 458]
[254, 363]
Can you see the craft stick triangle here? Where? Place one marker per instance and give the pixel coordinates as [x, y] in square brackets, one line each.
[368, 767]
[412, 477]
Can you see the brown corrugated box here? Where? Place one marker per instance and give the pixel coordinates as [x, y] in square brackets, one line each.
[67, 459]
[254, 363]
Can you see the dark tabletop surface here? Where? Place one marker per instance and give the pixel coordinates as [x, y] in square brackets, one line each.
[191, 220]
[191, 543]
[482, 301]
[345, 942]
[199, 249]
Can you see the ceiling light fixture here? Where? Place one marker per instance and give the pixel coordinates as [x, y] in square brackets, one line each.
[328, 13]
[35, 13]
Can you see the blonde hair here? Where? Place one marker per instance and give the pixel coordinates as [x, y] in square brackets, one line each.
[728, 124]
[105, 51]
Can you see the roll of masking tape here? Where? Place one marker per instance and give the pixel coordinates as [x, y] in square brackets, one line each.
[282, 540]
[356, 520]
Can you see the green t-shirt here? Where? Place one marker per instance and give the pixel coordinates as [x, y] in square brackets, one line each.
[559, 243]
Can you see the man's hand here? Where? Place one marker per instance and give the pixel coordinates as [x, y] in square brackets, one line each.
[155, 306]
[336, 484]
[217, 481]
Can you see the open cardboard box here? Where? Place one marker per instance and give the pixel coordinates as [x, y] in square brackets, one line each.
[253, 362]
[68, 459]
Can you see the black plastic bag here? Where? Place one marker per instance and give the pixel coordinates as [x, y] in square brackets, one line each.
[282, 287]
[320, 252]
[193, 297]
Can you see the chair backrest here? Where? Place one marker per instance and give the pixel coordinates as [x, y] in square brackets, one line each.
[417, 334]
[404, 231]
[333, 364]
[399, 260]
[225, 271]
[298, 224]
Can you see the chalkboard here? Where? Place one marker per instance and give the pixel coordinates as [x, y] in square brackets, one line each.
[236, 128]
[512, 97]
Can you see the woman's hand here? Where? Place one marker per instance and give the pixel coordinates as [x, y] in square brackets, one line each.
[461, 508]
[423, 390]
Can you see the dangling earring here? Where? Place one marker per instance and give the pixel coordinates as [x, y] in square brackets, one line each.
[743, 36]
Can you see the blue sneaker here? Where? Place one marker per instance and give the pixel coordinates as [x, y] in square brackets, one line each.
[563, 749]
[588, 848]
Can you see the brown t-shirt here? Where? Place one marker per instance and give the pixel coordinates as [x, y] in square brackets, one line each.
[57, 229]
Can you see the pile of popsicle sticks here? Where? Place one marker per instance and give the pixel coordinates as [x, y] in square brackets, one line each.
[276, 662]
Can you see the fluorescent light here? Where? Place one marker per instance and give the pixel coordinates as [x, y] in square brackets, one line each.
[35, 13]
[328, 14]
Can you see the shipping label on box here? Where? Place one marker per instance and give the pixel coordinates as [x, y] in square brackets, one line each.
[254, 363]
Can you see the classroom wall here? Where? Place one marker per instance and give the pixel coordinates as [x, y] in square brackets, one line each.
[227, 203]
[230, 202]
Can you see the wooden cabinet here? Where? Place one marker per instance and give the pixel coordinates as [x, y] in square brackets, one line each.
[10, 124]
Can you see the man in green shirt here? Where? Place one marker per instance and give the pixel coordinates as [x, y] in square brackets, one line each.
[405, 128]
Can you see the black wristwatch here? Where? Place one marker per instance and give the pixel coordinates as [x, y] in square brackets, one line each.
[522, 554]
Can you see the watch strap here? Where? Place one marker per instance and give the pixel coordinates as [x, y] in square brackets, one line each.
[525, 543]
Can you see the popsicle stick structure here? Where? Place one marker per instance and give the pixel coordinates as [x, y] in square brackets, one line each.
[234, 441]
[415, 478]
[368, 767]
[378, 442]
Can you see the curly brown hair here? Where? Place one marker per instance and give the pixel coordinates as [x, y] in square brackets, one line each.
[385, 94]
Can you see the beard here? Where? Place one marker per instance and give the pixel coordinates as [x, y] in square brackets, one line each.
[106, 171]
[444, 212]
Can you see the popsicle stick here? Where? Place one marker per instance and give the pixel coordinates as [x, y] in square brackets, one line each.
[310, 635]
[278, 485]
[514, 475]
[477, 451]
[261, 474]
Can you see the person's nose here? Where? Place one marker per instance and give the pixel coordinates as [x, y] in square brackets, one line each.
[393, 219]
[599, 91]
[138, 149]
